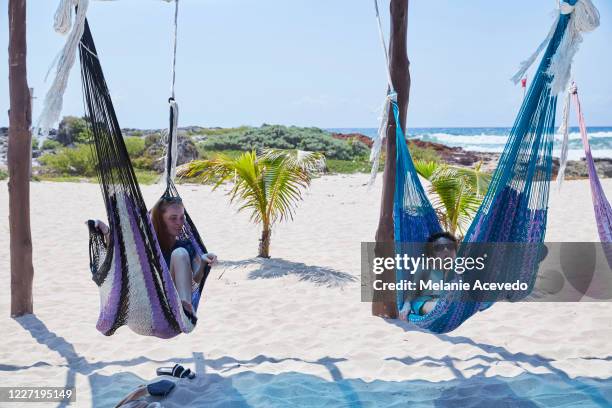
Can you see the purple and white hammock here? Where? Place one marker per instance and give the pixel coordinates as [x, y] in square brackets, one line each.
[136, 288]
[601, 205]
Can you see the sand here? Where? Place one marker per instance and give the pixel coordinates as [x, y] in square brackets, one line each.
[291, 331]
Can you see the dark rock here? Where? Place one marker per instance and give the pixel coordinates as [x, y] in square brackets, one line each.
[156, 147]
[348, 136]
[604, 167]
[577, 169]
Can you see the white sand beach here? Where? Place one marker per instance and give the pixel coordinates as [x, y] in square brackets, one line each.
[291, 331]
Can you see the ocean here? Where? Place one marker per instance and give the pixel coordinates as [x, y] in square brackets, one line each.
[493, 139]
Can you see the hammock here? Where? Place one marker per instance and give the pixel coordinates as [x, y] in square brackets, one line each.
[515, 207]
[601, 205]
[136, 288]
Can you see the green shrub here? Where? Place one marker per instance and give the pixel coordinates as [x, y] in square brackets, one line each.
[50, 144]
[283, 137]
[219, 131]
[135, 146]
[144, 162]
[210, 154]
[423, 154]
[348, 166]
[152, 139]
[77, 161]
[3, 175]
[73, 130]
[146, 176]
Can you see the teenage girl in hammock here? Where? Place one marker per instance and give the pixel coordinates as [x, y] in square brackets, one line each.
[440, 245]
[168, 218]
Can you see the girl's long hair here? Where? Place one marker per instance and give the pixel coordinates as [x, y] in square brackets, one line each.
[157, 219]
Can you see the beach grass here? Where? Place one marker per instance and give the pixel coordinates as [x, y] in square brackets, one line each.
[144, 177]
[335, 166]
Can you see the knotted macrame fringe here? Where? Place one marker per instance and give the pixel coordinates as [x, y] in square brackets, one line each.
[53, 102]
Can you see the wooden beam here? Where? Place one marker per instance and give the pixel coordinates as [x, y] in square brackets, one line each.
[19, 157]
[384, 304]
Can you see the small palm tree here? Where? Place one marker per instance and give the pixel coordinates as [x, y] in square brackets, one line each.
[458, 192]
[268, 185]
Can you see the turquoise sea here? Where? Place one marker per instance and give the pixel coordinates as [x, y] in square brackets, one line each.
[493, 139]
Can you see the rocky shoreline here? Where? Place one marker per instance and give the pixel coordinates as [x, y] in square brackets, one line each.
[576, 169]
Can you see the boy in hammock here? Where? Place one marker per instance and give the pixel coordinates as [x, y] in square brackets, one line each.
[440, 246]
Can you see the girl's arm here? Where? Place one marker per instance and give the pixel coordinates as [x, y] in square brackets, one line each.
[199, 264]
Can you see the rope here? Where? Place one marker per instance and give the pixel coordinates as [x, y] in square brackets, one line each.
[172, 142]
[384, 46]
[176, 8]
[171, 146]
[564, 130]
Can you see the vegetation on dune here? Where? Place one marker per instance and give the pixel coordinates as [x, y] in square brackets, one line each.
[66, 154]
[73, 130]
[70, 161]
[423, 153]
[283, 137]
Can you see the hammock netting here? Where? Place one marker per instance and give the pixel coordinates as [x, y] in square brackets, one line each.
[513, 210]
[601, 205]
[136, 288]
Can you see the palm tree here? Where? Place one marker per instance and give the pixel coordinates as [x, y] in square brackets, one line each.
[268, 185]
[457, 191]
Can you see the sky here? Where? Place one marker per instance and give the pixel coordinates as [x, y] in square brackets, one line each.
[310, 62]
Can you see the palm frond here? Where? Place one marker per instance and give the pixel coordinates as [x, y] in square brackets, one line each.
[426, 168]
[309, 162]
[268, 186]
[477, 179]
[458, 193]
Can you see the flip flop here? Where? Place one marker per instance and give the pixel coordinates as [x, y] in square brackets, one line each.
[177, 371]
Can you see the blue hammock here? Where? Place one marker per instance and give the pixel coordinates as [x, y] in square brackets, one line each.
[513, 210]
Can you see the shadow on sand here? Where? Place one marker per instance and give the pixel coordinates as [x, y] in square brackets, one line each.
[227, 381]
[277, 267]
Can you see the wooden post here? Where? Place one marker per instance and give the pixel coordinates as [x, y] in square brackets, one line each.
[19, 157]
[384, 304]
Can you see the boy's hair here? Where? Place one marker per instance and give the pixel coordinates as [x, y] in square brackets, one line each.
[436, 236]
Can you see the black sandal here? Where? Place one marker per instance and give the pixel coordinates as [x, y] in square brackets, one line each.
[177, 371]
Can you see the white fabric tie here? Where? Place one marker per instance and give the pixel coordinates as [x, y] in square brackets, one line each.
[566, 8]
[53, 102]
[584, 18]
[384, 119]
